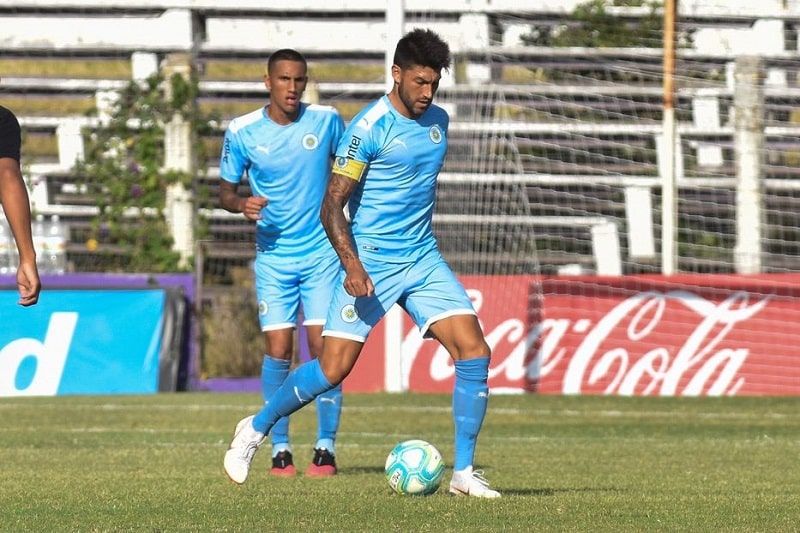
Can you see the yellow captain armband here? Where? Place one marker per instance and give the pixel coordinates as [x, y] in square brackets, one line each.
[349, 168]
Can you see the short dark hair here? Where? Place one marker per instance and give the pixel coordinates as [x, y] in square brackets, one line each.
[424, 48]
[285, 54]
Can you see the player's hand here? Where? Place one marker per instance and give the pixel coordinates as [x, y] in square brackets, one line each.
[357, 282]
[28, 284]
[252, 207]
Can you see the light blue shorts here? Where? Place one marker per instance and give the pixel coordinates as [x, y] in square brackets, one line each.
[426, 289]
[283, 284]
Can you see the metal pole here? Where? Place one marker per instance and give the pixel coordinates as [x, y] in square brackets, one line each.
[669, 256]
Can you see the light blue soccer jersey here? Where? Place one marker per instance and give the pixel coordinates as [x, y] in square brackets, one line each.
[397, 161]
[290, 166]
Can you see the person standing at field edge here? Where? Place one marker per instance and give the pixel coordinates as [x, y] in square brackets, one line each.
[14, 199]
[285, 148]
[385, 172]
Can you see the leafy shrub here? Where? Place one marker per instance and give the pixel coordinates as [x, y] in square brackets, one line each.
[123, 174]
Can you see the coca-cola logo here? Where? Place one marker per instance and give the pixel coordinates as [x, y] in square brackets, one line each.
[614, 350]
[650, 343]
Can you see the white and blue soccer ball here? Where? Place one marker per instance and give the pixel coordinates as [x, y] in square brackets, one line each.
[414, 467]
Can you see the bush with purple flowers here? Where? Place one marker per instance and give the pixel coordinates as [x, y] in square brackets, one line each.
[123, 174]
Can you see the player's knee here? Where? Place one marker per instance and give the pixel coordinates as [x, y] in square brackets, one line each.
[475, 349]
[334, 371]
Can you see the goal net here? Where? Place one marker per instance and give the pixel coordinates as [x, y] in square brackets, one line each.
[584, 109]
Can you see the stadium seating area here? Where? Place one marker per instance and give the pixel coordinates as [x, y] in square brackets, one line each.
[565, 157]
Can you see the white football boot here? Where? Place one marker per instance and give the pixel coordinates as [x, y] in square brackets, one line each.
[471, 483]
[245, 443]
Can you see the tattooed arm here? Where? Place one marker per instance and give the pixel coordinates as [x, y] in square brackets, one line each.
[357, 282]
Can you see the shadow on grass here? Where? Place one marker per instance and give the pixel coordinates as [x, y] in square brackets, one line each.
[553, 492]
[371, 470]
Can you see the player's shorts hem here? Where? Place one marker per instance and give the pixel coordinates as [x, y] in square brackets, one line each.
[314, 322]
[340, 335]
[275, 327]
[432, 320]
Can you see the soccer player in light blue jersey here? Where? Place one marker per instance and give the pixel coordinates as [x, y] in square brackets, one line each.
[286, 149]
[385, 173]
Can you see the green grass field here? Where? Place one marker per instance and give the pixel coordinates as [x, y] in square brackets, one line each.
[153, 463]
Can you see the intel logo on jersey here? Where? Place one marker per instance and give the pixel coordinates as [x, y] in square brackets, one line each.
[352, 148]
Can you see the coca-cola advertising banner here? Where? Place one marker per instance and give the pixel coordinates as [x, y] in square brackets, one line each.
[682, 335]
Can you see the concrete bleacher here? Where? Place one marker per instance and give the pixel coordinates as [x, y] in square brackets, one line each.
[560, 157]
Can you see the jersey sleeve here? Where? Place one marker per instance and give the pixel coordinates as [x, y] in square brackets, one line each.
[356, 150]
[233, 162]
[337, 130]
[10, 140]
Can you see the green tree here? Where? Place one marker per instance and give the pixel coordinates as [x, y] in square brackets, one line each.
[591, 25]
[123, 173]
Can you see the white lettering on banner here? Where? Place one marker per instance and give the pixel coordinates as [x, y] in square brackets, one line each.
[700, 364]
[50, 356]
[441, 367]
[658, 366]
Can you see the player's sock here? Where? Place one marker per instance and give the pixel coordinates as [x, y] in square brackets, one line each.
[329, 410]
[301, 386]
[273, 373]
[470, 398]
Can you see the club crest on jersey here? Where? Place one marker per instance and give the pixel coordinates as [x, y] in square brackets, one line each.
[349, 313]
[435, 134]
[310, 141]
[263, 307]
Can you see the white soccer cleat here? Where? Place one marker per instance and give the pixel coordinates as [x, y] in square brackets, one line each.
[468, 483]
[245, 443]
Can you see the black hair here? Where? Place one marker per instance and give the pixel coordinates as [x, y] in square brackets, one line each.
[285, 54]
[424, 48]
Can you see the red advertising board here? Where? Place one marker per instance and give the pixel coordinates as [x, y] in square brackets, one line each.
[682, 335]
[685, 335]
[502, 303]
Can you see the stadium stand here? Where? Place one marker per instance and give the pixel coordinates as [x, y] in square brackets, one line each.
[545, 150]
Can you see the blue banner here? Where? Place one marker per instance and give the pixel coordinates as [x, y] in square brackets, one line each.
[81, 342]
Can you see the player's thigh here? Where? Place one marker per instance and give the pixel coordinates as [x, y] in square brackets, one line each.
[461, 336]
[353, 318]
[277, 292]
[433, 293]
[339, 356]
[319, 276]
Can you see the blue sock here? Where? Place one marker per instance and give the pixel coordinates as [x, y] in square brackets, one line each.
[273, 373]
[470, 398]
[301, 386]
[329, 410]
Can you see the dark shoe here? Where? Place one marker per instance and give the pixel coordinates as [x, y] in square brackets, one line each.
[323, 465]
[282, 465]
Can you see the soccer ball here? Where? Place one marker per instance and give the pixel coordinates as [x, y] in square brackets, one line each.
[414, 467]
